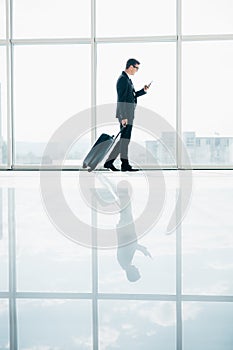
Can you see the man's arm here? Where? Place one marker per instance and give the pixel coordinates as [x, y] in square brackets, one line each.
[122, 90]
[143, 250]
[140, 92]
[125, 101]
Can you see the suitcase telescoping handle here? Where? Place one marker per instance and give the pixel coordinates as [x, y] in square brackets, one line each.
[119, 132]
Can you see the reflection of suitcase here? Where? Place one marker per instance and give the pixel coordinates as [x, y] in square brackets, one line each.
[99, 151]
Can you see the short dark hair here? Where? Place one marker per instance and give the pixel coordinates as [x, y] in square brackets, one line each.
[131, 62]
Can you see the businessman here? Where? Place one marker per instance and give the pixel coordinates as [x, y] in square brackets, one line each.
[126, 104]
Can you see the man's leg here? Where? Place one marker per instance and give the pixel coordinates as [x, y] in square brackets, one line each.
[124, 142]
[121, 148]
[112, 156]
[125, 139]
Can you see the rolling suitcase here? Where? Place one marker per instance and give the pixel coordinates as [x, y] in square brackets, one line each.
[99, 151]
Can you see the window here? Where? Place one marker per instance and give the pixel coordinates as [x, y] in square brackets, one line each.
[124, 18]
[52, 83]
[2, 19]
[206, 85]
[137, 324]
[205, 17]
[3, 106]
[51, 19]
[4, 318]
[3, 242]
[54, 323]
[207, 325]
[161, 98]
[207, 243]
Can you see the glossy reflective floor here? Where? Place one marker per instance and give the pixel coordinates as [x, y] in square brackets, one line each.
[118, 280]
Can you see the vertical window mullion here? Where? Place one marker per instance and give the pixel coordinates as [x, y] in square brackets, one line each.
[9, 53]
[93, 69]
[178, 86]
[95, 325]
[179, 144]
[12, 270]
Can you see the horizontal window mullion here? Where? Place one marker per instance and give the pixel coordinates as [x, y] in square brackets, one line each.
[208, 298]
[50, 41]
[136, 39]
[207, 37]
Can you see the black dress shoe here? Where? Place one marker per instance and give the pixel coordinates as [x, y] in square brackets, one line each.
[128, 168]
[109, 165]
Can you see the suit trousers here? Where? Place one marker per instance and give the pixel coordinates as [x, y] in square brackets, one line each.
[122, 145]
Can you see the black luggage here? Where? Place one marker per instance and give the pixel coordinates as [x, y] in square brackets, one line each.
[99, 151]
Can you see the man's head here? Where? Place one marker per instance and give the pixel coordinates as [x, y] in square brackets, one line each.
[132, 273]
[132, 66]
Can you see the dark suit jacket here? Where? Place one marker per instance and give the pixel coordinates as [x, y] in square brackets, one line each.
[126, 98]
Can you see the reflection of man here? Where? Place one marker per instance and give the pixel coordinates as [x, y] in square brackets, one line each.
[126, 103]
[127, 238]
[126, 233]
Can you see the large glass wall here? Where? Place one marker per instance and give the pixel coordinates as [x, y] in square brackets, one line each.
[50, 72]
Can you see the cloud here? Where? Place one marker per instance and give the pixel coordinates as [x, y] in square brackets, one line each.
[115, 278]
[127, 326]
[108, 336]
[197, 242]
[219, 266]
[83, 342]
[162, 313]
[3, 306]
[130, 330]
[6, 347]
[219, 288]
[42, 303]
[43, 347]
[151, 333]
[191, 311]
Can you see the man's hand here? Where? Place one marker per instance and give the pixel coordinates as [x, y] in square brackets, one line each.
[146, 87]
[144, 250]
[124, 122]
